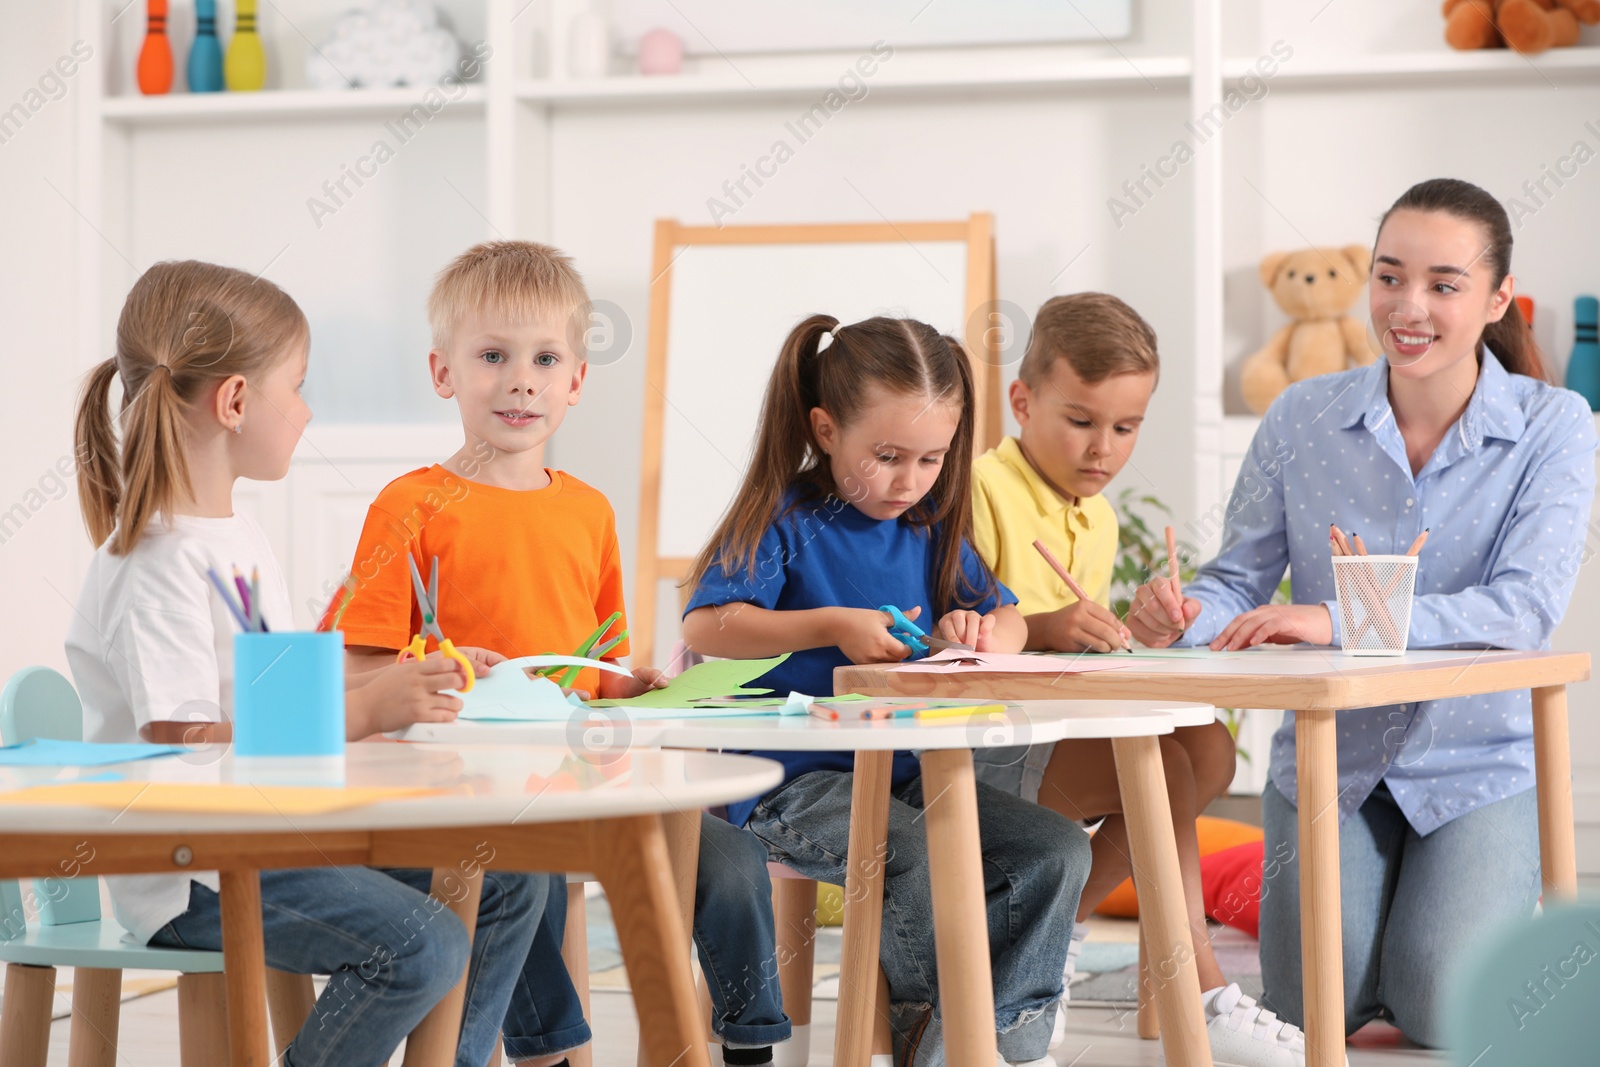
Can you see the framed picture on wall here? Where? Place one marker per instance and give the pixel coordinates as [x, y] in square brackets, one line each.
[743, 26]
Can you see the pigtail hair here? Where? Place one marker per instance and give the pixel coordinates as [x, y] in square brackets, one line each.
[95, 443]
[785, 452]
[155, 465]
[948, 506]
[184, 327]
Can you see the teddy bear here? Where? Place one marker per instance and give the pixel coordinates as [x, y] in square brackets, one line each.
[1527, 26]
[1314, 287]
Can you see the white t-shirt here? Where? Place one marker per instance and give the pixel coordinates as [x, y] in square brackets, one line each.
[151, 641]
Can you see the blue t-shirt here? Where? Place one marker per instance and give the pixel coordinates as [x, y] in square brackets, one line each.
[825, 553]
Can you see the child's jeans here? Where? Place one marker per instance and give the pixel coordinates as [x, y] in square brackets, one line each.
[1035, 863]
[1408, 904]
[734, 931]
[390, 952]
[545, 1015]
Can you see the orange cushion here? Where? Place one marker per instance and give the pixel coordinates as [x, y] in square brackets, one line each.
[1215, 836]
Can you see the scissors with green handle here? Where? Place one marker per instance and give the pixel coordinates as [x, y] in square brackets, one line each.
[916, 638]
[589, 651]
[428, 606]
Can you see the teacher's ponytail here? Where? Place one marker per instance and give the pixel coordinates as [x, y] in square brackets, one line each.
[1509, 339]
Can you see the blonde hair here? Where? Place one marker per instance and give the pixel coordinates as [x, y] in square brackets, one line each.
[185, 325]
[521, 279]
[1098, 335]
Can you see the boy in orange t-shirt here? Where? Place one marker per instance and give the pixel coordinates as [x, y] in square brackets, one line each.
[528, 564]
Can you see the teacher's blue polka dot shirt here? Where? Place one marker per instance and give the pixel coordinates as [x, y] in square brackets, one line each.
[1506, 499]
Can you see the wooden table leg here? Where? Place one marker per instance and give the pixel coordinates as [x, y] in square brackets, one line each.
[244, 961]
[794, 912]
[1147, 1023]
[575, 954]
[433, 1042]
[863, 910]
[1321, 926]
[960, 916]
[682, 830]
[631, 861]
[1552, 763]
[1163, 916]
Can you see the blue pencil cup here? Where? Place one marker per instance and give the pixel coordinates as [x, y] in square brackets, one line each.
[288, 694]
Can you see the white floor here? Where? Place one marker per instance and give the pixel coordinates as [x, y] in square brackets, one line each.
[1098, 1037]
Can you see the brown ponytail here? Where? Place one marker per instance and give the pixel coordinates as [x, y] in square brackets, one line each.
[184, 326]
[901, 355]
[1509, 339]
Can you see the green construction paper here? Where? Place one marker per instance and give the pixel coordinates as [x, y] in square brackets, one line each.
[714, 678]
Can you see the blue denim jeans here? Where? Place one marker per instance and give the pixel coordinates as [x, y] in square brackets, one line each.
[1035, 863]
[390, 952]
[1409, 904]
[735, 934]
[545, 1015]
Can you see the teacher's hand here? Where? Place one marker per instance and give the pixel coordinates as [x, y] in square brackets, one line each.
[1280, 624]
[1160, 613]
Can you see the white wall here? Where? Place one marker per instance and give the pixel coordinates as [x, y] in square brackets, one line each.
[37, 339]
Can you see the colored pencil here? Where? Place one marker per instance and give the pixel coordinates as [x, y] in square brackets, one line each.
[1172, 563]
[255, 599]
[244, 596]
[1361, 547]
[1061, 572]
[965, 712]
[1342, 541]
[227, 598]
[1416, 546]
[1066, 576]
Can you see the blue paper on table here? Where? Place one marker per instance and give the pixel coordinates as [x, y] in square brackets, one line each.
[508, 694]
[45, 752]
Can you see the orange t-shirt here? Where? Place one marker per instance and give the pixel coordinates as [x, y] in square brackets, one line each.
[520, 572]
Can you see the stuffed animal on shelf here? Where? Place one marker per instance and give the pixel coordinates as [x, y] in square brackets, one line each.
[1314, 287]
[1526, 26]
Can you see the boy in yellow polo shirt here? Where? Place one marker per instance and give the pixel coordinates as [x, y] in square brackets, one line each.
[1080, 397]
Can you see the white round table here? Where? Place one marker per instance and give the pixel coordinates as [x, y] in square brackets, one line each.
[966, 990]
[526, 808]
[945, 745]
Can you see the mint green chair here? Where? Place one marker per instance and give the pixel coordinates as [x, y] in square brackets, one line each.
[39, 703]
[1526, 993]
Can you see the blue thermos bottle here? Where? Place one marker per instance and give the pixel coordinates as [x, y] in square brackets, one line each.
[1583, 369]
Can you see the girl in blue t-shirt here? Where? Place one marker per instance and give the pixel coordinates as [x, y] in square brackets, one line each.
[857, 496]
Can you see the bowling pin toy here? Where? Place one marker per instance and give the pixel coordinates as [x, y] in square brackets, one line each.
[245, 68]
[205, 57]
[1583, 369]
[155, 56]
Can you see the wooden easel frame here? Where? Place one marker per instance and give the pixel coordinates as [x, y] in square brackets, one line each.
[982, 343]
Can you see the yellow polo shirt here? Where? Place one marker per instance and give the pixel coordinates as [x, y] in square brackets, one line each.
[1012, 506]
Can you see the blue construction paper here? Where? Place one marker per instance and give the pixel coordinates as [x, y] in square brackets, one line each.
[45, 752]
[508, 694]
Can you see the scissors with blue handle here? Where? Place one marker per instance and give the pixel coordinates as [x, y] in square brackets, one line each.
[428, 606]
[916, 638]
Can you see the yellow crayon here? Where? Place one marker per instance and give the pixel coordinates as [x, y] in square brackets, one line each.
[965, 712]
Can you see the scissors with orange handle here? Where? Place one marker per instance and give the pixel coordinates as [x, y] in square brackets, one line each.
[428, 605]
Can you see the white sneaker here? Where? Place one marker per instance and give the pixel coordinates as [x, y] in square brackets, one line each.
[1080, 931]
[1244, 1034]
